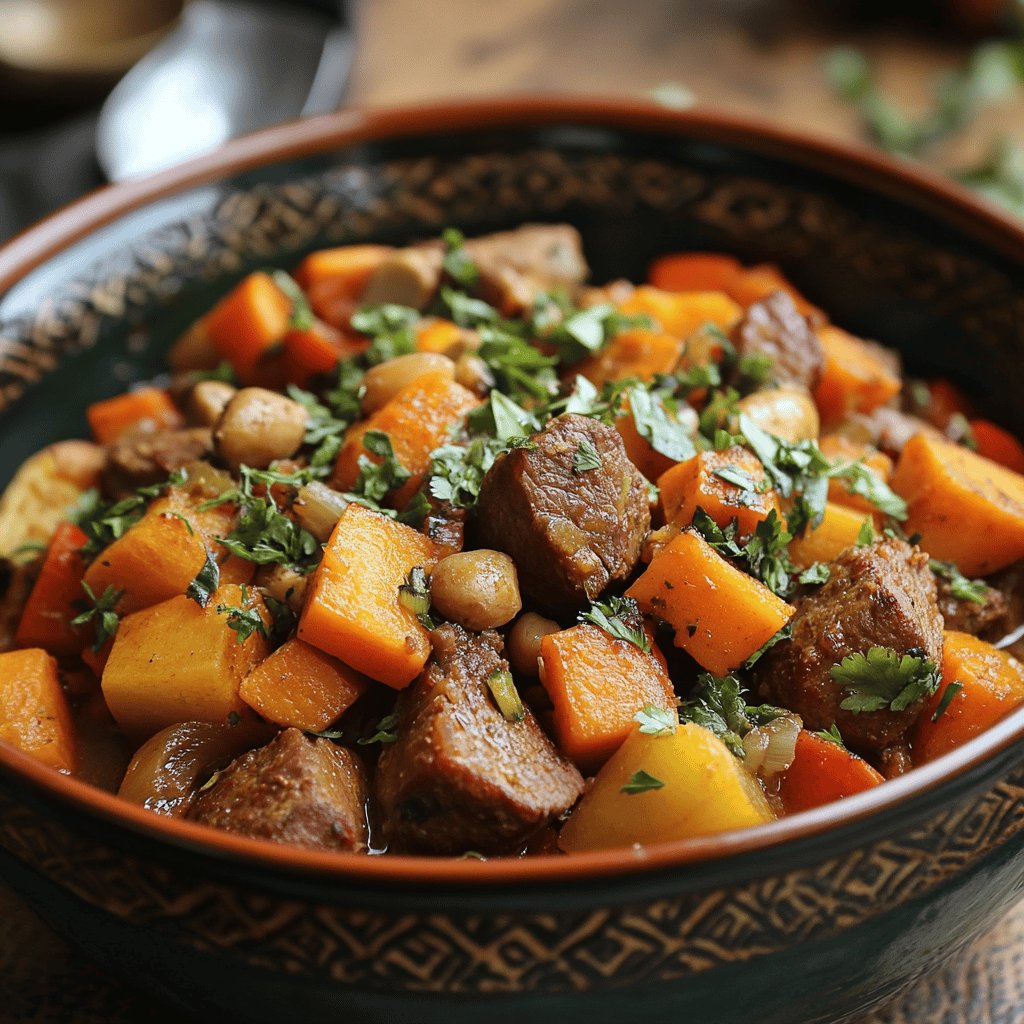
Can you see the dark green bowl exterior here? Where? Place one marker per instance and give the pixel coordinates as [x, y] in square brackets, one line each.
[809, 929]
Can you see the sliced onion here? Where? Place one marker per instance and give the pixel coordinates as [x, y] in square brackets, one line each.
[770, 748]
[318, 508]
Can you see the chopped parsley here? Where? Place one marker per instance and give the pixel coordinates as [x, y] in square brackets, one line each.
[718, 703]
[621, 618]
[960, 586]
[819, 572]
[263, 533]
[765, 554]
[520, 370]
[831, 735]
[585, 459]
[104, 522]
[301, 318]
[377, 480]
[392, 329]
[386, 731]
[641, 782]
[866, 533]
[457, 263]
[244, 620]
[657, 426]
[324, 429]
[206, 581]
[656, 721]
[101, 611]
[948, 694]
[883, 678]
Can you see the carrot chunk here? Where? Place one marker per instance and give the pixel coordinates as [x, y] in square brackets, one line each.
[149, 407]
[968, 509]
[353, 609]
[821, 772]
[316, 349]
[333, 279]
[597, 683]
[633, 353]
[838, 530]
[758, 282]
[162, 553]
[683, 313]
[991, 685]
[248, 321]
[178, 662]
[694, 272]
[437, 335]
[34, 713]
[998, 445]
[56, 595]
[709, 481]
[299, 685]
[856, 377]
[720, 615]
[417, 420]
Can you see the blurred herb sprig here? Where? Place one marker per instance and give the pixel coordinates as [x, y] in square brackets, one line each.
[992, 73]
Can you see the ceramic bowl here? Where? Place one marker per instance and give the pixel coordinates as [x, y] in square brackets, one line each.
[809, 919]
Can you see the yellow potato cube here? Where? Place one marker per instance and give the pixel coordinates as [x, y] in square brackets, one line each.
[704, 789]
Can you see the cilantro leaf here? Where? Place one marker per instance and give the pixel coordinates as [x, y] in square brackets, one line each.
[866, 533]
[206, 581]
[862, 480]
[882, 678]
[585, 459]
[831, 735]
[102, 612]
[641, 782]
[960, 586]
[621, 618]
[656, 721]
[391, 328]
[819, 572]
[104, 522]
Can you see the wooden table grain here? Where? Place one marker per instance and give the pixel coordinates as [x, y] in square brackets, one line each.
[746, 56]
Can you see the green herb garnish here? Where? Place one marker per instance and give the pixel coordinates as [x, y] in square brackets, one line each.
[641, 782]
[883, 678]
[621, 618]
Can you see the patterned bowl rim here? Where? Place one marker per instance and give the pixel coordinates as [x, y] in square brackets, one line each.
[915, 187]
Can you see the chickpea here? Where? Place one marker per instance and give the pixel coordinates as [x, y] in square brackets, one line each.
[523, 644]
[788, 412]
[259, 426]
[206, 400]
[473, 373]
[384, 381]
[477, 589]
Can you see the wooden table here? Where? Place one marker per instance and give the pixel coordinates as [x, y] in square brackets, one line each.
[747, 56]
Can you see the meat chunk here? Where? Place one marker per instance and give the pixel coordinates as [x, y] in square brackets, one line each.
[882, 595]
[460, 776]
[970, 616]
[886, 428]
[775, 328]
[140, 460]
[296, 790]
[571, 532]
[515, 265]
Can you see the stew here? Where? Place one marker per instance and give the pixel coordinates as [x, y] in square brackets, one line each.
[442, 550]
